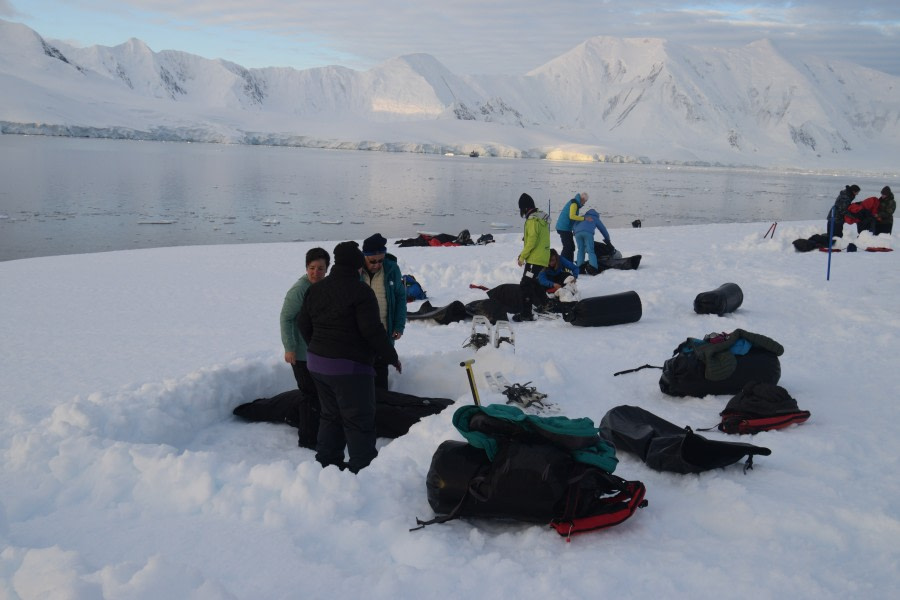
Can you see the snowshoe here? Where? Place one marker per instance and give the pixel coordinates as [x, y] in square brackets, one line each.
[520, 394]
[503, 332]
[481, 333]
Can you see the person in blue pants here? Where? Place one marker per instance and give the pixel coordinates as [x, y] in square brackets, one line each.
[584, 236]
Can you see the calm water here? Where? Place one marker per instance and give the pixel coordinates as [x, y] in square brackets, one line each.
[67, 196]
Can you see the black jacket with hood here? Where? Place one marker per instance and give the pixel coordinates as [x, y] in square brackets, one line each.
[339, 319]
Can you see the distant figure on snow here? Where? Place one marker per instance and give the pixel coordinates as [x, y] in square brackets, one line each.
[837, 212]
[885, 216]
[862, 214]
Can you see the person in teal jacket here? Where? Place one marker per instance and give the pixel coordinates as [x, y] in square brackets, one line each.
[383, 275]
[317, 261]
[568, 216]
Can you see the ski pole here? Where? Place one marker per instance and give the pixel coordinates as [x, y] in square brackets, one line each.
[830, 241]
[468, 365]
[771, 230]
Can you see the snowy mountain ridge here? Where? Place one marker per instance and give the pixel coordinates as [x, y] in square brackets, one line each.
[613, 99]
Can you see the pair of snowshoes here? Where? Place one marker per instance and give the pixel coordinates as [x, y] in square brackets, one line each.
[483, 333]
[520, 394]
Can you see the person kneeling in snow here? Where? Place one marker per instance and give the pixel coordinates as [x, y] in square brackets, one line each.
[554, 275]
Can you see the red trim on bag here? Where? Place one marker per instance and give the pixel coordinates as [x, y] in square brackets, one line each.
[630, 499]
[739, 423]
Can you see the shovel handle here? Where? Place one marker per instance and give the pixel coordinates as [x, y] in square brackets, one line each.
[471, 376]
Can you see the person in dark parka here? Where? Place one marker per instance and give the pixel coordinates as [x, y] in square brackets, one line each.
[840, 210]
[886, 207]
[340, 323]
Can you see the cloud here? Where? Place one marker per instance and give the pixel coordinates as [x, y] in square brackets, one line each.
[7, 9]
[514, 37]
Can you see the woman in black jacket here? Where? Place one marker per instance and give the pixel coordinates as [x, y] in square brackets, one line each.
[340, 323]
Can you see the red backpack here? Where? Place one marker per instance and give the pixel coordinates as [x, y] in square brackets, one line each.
[760, 407]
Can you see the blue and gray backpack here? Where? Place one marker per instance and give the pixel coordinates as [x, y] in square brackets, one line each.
[414, 290]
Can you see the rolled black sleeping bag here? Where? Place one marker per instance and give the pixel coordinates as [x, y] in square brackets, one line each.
[395, 412]
[684, 374]
[724, 299]
[444, 315]
[487, 308]
[663, 446]
[600, 311]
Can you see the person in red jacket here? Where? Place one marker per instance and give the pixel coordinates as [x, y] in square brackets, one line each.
[863, 214]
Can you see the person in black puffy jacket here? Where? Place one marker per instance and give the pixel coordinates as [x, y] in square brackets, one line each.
[339, 321]
[840, 209]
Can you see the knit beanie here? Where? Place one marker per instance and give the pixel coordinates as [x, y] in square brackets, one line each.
[853, 188]
[347, 254]
[374, 244]
[526, 203]
[886, 191]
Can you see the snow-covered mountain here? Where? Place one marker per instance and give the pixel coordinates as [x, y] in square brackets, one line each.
[608, 98]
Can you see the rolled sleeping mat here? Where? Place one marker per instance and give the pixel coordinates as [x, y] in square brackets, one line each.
[615, 309]
[724, 299]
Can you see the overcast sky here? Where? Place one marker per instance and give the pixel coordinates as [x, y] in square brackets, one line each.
[469, 37]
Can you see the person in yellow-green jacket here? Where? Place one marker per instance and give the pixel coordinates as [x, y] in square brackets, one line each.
[535, 255]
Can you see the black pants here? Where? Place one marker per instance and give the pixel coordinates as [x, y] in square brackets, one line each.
[347, 419]
[883, 228]
[838, 227]
[308, 417]
[381, 373]
[568, 244]
[531, 291]
[866, 221]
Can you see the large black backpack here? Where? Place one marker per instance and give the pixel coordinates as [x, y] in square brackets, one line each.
[528, 473]
[685, 373]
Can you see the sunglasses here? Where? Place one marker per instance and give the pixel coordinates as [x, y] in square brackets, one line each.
[374, 261]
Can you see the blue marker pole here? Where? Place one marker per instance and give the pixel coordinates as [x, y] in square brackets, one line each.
[830, 242]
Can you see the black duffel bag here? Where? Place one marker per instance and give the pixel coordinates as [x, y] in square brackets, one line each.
[724, 299]
[600, 311]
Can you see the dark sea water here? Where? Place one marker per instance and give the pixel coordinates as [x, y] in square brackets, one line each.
[72, 196]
